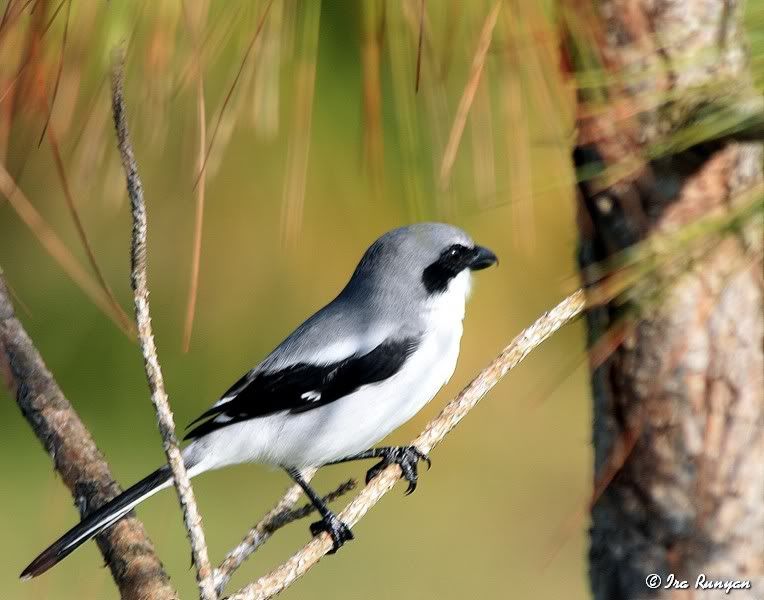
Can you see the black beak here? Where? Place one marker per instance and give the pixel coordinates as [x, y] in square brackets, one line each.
[482, 258]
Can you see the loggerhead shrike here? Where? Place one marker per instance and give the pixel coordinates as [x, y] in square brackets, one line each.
[353, 372]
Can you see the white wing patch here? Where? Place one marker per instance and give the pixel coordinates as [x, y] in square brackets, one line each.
[336, 352]
[347, 347]
[311, 396]
[224, 399]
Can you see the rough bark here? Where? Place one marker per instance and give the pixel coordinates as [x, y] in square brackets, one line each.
[126, 548]
[678, 426]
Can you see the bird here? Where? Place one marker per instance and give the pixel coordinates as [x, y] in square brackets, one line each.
[344, 379]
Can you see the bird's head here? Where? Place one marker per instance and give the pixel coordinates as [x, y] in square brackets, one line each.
[425, 258]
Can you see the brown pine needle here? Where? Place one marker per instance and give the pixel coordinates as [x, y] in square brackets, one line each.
[457, 129]
[575, 519]
[3, 27]
[119, 313]
[520, 172]
[58, 72]
[373, 139]
[228, 96]
[196, 255]
[419, 46]
[15, 295]
[600, 351]
[55, 13]
[299, 144]
[54, 246]
[4, 19]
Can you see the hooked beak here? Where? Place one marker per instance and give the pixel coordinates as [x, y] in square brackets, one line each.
[482, 259]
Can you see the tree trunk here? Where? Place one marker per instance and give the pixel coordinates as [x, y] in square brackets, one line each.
[678, 367]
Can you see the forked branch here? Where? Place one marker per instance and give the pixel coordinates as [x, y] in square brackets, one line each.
[300, 563]
[280, 515]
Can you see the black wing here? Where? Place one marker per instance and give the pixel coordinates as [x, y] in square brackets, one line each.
[303, 386]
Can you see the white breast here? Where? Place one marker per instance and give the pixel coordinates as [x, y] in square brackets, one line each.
[360, 420]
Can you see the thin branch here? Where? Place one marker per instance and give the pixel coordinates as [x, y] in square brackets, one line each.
[460, 120]
[280, 515]
[283, 576]
[290, 516]
[138, 280]
[258, 534]
[126, 548]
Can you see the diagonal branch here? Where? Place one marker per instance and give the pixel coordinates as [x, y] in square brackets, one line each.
[283, 576]
[280, 515]
[138, 280]
[126, 548]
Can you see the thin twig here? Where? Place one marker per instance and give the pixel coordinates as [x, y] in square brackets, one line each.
[126, 548]
[138, 280]
[290, 516]
[300, 563]
[282, 514]
[257, 535]
[460, 120]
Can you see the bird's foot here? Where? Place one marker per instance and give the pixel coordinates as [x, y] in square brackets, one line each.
[339, 532]
[407, 457]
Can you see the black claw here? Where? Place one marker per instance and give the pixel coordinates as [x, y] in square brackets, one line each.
[339, 532]
[407, 457]
[411, 475]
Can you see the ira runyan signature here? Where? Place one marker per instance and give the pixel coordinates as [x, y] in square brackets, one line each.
[704, 583]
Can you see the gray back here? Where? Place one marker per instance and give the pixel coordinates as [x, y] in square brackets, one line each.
[384, 297]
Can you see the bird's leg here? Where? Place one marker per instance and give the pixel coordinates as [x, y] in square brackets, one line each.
[407, 457]
[329, 522]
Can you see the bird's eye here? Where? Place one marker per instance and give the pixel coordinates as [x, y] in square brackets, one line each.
[456, 251]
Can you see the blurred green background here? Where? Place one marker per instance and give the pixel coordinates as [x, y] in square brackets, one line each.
[300, 179]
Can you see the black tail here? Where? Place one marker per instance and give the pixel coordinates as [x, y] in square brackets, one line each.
[96, 522]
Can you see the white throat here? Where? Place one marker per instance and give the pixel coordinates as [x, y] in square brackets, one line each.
[448, 306]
